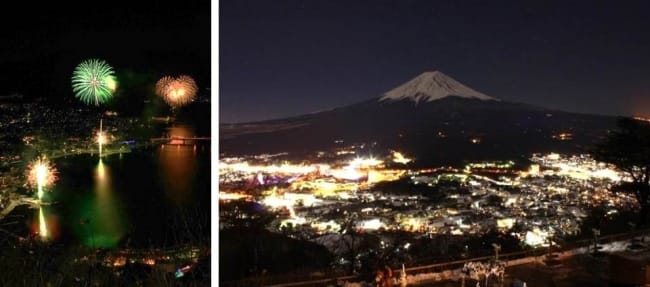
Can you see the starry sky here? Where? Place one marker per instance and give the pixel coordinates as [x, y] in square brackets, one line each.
[289, 57]
[43, 41]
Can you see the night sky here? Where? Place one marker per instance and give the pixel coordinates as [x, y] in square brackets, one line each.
[143, 40]
[290, 57]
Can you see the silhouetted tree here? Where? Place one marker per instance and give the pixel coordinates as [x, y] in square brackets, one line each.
[628, 148]
[352, 240]
[242, 213]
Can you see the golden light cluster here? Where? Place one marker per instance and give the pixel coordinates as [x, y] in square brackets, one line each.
[177, 91]
[398, 157]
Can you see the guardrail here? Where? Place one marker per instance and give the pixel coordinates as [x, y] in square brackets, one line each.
[328, 278]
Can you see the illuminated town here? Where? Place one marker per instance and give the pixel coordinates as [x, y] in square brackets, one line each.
[540, 204]
[433, 143]
[553, 195]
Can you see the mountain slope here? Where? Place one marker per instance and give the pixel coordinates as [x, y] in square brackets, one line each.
[444, 130]
[431, 86]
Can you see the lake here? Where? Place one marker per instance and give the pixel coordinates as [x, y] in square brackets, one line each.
[151, 197]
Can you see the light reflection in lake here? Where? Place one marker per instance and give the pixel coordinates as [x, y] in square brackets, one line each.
[42, 225]
[178, 165]
[102, 224]
[136, 199]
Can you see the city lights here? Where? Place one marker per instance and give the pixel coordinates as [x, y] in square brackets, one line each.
[581, 181]
[398, 157]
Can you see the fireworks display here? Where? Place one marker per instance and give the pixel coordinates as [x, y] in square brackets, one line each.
[41, 174]
[93, 82]
[176, 91]
[102, 138]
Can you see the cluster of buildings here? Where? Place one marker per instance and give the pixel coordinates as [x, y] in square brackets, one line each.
[34, 128]
[549, 199]
[56, 131]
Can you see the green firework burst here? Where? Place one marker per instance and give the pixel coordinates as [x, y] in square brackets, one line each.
[93, 82]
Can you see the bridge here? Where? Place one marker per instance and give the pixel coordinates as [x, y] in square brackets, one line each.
[179, 140]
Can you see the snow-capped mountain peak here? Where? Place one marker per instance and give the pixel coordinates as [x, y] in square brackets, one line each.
[431, 86]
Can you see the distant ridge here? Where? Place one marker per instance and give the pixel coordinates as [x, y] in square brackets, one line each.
[431, 86]
[433, 118]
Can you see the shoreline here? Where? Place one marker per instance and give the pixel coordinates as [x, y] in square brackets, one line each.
[21, 200]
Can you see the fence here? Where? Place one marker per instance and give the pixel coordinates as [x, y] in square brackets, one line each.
[328, 278]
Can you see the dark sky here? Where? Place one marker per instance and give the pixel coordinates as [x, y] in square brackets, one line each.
[43, 41]
[289, 57]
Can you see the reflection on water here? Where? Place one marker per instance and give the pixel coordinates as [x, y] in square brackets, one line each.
[101, 174]
[101, 223]
[139, 199]
[178, 164]
[42, 226]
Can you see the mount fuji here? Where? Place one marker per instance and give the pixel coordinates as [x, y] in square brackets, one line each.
[432, 117]
[431, 86]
